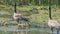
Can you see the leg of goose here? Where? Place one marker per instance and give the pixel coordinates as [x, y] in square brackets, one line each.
[52, 29]
[29, 25]
[58, 31]
[18, 20]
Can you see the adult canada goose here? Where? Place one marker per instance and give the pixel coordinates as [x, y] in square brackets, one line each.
[53, 23]
[19, 17]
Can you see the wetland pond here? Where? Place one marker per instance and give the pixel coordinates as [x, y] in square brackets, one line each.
[42, 29]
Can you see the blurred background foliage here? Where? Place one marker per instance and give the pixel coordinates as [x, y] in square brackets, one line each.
[29, 2]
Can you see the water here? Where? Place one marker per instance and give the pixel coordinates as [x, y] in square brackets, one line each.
[13, 28]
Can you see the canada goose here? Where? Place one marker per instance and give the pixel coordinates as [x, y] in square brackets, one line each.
[53, 23]
[19, 17]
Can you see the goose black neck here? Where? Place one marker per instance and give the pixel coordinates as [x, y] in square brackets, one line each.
[50, 12]
[15, 7]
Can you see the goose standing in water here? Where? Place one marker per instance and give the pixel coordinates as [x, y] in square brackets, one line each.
[19, 17]
[53, 23]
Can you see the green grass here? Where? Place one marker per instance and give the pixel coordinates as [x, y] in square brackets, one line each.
[41, 17]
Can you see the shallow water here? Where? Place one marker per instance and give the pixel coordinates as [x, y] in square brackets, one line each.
[13, 28]
[32, 30]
